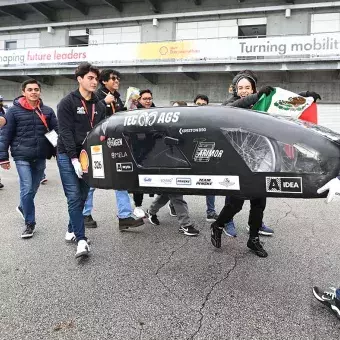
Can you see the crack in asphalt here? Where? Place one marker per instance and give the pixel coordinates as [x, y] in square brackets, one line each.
[283, 217]
[162, 265]
[210, 292]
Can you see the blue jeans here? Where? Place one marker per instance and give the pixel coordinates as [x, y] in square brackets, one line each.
[76, 191]
[89, 203]
[210, 204]
[123, 204]
[30, 175]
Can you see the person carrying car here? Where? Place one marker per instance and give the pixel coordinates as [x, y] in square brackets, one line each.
[145, 101]
[245, 96]
[177, 204]
[108, 94]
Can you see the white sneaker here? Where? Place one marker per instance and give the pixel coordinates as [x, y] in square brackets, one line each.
[83, 248]
[139, 212]
[70, 237]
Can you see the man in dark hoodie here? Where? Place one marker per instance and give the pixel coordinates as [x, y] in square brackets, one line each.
[78, 113]
[31, 132]
[108, 93]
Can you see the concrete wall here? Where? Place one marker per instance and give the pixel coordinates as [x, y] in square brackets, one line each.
[58, 38]
[139, 8]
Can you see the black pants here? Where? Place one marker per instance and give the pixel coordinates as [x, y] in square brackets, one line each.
[257, 206]
[138, 199]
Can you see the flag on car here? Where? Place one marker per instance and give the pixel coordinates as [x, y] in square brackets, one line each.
[288, 104]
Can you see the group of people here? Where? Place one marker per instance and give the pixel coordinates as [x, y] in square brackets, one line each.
[34, 134]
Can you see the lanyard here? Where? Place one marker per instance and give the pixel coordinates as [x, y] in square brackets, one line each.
[42, 117]
[112, 106]
[88, 116]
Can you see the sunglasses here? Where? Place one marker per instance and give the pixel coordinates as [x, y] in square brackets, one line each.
[114, 78]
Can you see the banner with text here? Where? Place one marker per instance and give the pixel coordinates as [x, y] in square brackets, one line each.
[202, 50]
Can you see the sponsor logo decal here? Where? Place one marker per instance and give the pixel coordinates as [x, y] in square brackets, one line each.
[112, 142]
[115, 155]
[147, 179]
[166, 180]
[84, 161]
[124, 167]
[284, 184]
[205, 150]
[204, 181]
[183, 181]
[227, 182]
[151, 118]
[181, 131]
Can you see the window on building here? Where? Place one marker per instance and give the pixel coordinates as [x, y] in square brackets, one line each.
[206, 29]
[11, 45]
[114, 35]
[325, 23]
[79, 37]
[252, 27]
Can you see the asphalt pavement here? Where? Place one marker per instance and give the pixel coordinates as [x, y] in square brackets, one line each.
[153, 283]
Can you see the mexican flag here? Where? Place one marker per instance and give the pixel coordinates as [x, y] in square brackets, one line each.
[289, 104]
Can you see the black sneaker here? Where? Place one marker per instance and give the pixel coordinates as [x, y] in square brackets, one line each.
[172, 210]
[328, 298]
[130, 222]
[189, 230]
[216, 234]
[255, 245]
[212, 217]
[90, 222]
[20, 212]
[152, 218]
[1, 185]
[28, 232]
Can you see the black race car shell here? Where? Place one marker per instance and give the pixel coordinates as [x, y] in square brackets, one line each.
[210, 150]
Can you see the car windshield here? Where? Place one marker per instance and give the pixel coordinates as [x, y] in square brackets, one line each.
[333, 136]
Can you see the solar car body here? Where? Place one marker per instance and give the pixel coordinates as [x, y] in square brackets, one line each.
[210, 150]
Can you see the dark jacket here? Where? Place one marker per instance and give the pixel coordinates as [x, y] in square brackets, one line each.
[25, 133]
[74, 123]
[2, 112]
[119, 106]
[140, 106]
[244, 103]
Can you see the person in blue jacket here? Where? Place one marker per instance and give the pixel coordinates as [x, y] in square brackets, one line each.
[30, 131]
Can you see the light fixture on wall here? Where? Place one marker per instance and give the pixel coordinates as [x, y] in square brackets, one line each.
[288, 13]
[50, 30]
[155, 22]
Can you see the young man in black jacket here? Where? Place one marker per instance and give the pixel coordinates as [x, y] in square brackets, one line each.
[78, 113]
[108, 94]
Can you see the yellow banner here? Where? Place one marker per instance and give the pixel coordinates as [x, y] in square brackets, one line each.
[167, 50]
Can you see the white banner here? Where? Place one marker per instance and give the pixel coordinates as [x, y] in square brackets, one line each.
[169, 52]
[190, 181]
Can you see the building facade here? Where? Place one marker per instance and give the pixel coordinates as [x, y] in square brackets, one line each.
[176, 48]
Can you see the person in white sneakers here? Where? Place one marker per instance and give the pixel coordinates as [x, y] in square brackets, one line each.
[77, 113]
[330, 297]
